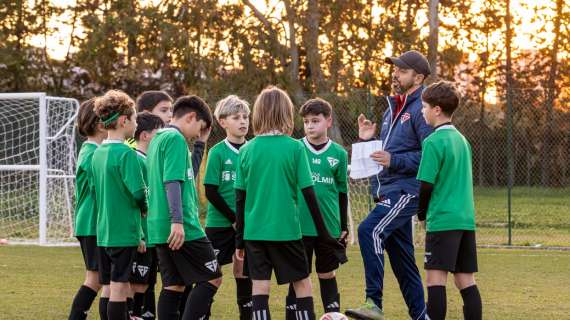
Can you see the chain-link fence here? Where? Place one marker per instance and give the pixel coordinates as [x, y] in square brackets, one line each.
[540, 152]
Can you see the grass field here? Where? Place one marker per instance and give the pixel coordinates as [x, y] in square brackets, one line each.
[39, 283]
[539, 215]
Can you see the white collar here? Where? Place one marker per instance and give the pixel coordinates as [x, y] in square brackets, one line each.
[313, 150]
[140, 153]
[231, 146]
[91, 142]
[109, 141]
[271, 133]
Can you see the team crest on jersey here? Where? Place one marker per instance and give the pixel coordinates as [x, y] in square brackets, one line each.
[332, 161]
[405, 117]
[316, 161]
[212, 265]
[142, 270]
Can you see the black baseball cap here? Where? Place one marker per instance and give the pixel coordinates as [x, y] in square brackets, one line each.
[411, 60]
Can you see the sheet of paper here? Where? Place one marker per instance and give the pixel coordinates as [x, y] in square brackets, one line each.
[362, 166]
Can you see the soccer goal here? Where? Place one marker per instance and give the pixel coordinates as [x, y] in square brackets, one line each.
[37, 161]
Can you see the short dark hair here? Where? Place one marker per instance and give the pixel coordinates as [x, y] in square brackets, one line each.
[443, 94]
[87, 120]
[147, 100]
[187, 104]
[315, 107]
[147, 121]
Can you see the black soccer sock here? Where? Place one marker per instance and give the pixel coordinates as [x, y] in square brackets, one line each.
[199, 301]
[130, 306]
[290, 304]
[330, 295]
[243, 293]
[305, 308]
[103, 305]
[185, 296]
[260, 308]
[117, 310]
[437, 302]
[472, 305]
[149, 306]
[168, 304]
[82, 303]
[138, 301]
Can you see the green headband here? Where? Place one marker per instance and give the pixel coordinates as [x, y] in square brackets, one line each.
[111, 119]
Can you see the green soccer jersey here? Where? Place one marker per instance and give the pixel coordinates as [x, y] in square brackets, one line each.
[168, 159]
[271, 169]
[119, 186]
[446, 163]
[221, 172]
[85, 208]
[329, 171]
[141, 156]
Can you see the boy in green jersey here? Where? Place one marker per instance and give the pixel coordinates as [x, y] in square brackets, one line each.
[446, 200]
[88, 126]
[144, 271]
[328, 164]
[271, 169]
[120, 197]
[232, 113]
[185, 255]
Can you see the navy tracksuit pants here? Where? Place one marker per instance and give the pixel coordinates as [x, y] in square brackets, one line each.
[389, 227]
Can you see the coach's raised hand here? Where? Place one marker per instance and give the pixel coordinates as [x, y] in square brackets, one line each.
[366, 129]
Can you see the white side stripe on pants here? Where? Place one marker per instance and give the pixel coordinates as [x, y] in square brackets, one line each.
[402, 202]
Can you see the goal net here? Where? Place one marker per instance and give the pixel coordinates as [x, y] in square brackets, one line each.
[37, 161]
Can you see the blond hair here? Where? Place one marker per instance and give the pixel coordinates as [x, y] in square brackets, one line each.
[272, 110]
[230, 105]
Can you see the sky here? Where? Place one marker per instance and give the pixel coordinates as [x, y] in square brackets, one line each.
[523, 40]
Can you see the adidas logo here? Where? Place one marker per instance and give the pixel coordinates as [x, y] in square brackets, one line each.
[216, 251]
[229, 161]
[386, 202]
[212, 265]
[291, 307]
[142, 270]
[248, 305]
[333, 305]
[332, 161]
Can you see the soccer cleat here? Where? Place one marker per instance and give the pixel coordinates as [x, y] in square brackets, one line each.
[368, 311]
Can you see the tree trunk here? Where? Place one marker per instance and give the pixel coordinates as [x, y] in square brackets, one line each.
[311, 41]
[548, 156]
[293, 72]
[433, 38]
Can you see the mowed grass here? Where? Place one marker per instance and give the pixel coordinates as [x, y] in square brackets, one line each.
[539, 215]
[39, 283]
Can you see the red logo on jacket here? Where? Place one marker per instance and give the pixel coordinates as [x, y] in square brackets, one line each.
[405, 117]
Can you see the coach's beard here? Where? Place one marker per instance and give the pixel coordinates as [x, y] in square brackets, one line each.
[400, 88]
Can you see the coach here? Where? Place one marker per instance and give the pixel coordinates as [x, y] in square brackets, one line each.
[395, 190]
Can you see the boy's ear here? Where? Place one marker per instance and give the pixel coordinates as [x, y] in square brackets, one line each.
[329, 122]
[222, 122]
[190, 116]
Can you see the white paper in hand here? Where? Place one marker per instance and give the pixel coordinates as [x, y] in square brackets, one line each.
[362, 166]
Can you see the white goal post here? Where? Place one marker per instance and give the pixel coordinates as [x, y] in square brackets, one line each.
[37, 167]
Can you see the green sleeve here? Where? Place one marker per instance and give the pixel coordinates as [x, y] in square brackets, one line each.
[304, 177]
[176, 160]
[131, 172]
[240, 183]
[341, 175]
[429, 164]
[213, 167]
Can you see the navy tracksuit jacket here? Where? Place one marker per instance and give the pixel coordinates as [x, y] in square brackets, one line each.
[395, 190]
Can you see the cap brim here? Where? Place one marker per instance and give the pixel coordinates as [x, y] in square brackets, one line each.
[397, 62]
